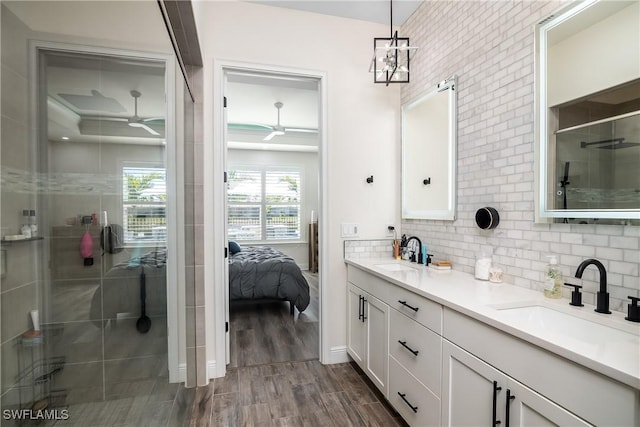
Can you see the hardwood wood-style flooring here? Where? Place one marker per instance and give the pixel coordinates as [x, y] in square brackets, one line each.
[275, 378]
[304, 394]
[262, 333]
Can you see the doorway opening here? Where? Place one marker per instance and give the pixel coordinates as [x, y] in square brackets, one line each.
[273, 162]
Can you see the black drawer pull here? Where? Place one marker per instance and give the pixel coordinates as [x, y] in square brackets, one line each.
[510, 397]
[404, 344]
[408, 306]
[413, 408]
[364, 316]
[496, 389]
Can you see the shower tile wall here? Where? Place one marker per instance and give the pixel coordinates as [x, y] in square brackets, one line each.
[19, 284]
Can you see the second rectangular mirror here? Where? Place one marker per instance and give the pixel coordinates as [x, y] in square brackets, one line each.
[429, 154]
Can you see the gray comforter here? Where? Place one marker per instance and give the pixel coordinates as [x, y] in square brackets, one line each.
[263, 272]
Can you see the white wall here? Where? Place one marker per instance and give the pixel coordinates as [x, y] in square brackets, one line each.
[309, 164]
[362, 138]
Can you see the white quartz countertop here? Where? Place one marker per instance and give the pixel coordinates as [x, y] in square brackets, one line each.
[605, 343]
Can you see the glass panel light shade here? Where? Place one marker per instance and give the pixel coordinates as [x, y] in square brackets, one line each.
[391, 58]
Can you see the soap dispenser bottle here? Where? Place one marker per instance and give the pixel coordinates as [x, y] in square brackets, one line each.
[553, 278]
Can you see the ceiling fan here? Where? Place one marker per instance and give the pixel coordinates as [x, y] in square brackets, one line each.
[275, 130]
[136, 121]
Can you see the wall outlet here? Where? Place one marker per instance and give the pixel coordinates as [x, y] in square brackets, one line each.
[349, 229]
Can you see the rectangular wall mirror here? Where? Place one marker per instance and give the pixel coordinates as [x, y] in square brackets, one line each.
[588, 113]
[429, 154]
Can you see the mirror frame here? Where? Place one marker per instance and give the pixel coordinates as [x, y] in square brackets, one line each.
[543, 212]
[449, 214]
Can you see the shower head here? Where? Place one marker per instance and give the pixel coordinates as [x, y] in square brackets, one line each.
[611, 144]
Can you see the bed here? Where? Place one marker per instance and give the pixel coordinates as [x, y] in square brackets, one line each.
[264, 274]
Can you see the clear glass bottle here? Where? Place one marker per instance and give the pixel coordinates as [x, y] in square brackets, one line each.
[553, 279]
[26, 228]
[33, 223]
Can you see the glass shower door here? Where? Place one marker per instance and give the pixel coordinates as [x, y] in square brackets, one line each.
[103, 213]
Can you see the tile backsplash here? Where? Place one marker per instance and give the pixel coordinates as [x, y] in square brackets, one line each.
[382, 248]
[490, 46]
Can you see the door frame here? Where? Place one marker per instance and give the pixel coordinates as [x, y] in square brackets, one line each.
[216, 310]
[174, 153]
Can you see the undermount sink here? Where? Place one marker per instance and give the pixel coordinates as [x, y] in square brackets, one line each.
[395, 267]
[550, 321]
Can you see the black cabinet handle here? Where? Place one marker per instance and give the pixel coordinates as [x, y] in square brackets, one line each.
[496, 389]
[404, 344]
[413, 408]
[364, 316]
[360, 307]
[510, 397]
[408, 306]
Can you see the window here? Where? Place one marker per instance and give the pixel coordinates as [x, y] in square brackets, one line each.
[264, 204]
[144, 201]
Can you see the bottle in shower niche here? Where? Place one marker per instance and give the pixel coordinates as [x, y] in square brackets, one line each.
[553, 278]
[26, 228]
[33, 223]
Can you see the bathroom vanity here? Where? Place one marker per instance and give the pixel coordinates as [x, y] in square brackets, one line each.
[446, 349]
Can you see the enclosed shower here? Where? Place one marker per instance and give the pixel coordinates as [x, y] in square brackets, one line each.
[84, 293]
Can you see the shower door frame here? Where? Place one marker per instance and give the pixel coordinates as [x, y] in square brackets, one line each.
[176, 329]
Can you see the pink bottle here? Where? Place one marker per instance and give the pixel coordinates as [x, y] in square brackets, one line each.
[86, 248]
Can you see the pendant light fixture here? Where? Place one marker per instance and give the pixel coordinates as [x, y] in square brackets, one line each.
[391, 56]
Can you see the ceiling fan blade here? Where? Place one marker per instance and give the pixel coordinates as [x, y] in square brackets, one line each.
[273, 134]
[301, 130]
[145, 127]
[249, 126]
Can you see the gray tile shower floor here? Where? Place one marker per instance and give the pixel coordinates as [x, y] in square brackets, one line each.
[167, 405]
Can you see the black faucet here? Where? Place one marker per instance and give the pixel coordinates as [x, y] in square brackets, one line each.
[415, 257]
[602, 296]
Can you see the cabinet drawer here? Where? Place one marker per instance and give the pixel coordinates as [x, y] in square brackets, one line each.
[426, 366]
[381, 289]
[417, 308]
[413, 305]
[418, 406]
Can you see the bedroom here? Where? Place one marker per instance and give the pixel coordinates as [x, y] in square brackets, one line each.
[272, 203]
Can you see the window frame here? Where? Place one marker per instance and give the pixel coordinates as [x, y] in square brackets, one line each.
[264, 170]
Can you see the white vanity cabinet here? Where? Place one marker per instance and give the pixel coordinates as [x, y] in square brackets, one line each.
[475, 393]
[368, 326]
[395, 334]
[566, 393]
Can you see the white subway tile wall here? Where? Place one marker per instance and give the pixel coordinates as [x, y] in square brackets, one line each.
[490, 46]
[362, 249]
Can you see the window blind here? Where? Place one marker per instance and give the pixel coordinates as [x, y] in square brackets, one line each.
[144, 201]
[263, 204]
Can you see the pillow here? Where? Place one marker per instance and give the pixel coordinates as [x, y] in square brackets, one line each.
[234, 247]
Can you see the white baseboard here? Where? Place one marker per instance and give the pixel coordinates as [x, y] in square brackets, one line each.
[212, 370]
[182, 373]
[338, 355]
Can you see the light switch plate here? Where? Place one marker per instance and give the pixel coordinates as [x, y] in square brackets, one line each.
[349, 229]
